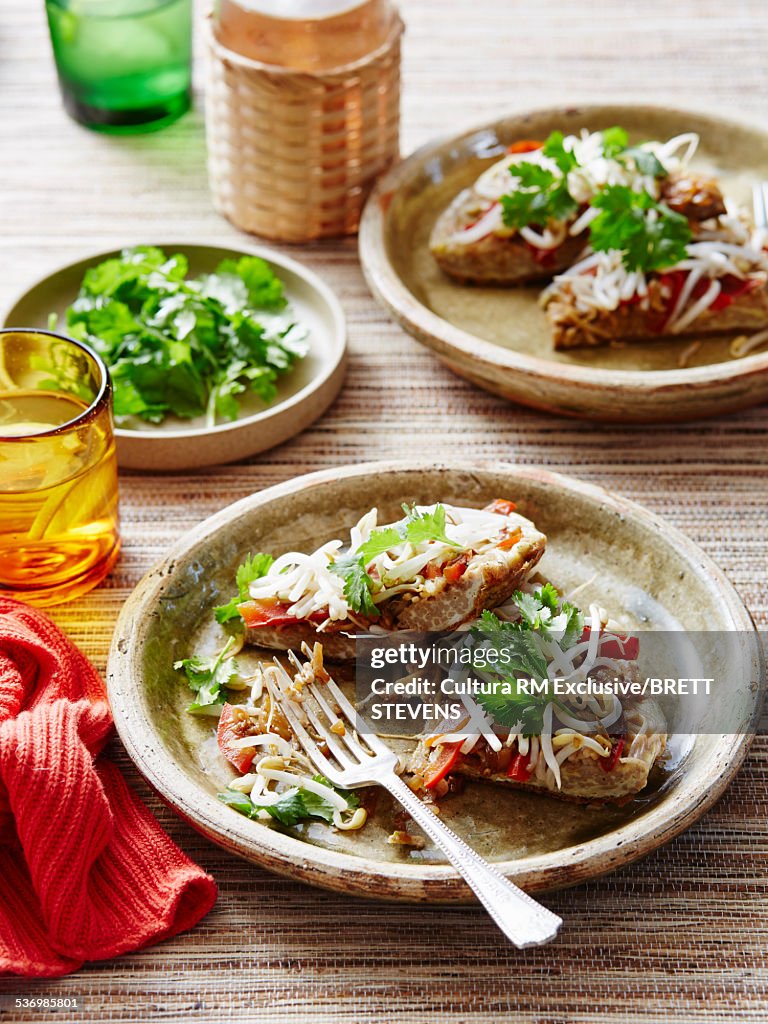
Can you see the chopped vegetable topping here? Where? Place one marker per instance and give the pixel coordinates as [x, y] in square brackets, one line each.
[253, 568]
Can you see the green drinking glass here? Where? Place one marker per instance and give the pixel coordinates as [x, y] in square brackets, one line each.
[124, 65]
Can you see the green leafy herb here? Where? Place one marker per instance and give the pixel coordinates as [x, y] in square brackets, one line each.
[295, 806]
[429, 526]
[646, 162]
[185, 346]
[543, 617]
[615, 141]
[649, 235]
[358, 585]
[554, 148]
[541, 195]
[416, 528]
[253, 568]
[207, 676]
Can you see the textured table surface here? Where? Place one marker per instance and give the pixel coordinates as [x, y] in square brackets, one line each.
[679, 936]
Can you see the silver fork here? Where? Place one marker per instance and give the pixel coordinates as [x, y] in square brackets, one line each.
[524, 921]
[760, 203]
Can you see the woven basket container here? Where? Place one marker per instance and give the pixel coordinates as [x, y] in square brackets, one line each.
[292, 156]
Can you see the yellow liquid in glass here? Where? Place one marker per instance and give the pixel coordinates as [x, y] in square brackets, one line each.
[58, 497]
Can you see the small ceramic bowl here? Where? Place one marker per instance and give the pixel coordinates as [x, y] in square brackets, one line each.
[303, 394]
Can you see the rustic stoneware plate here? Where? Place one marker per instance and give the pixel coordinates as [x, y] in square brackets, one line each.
[656, 575]
[303, 394]
[497, 337]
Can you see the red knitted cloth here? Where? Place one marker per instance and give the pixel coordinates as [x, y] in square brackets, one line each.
[86, 872]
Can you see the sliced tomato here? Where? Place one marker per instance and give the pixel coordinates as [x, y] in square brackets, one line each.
[524, 146]
[519, 768]
[432, 571]
[454, 570]
[233, 725]
[620, 646]
[610, 762]
[448, 757]
[272, 613]
[501, 507]
[510, 538]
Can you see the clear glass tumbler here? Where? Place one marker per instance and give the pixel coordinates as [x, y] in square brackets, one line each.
[58, 468]
[124, 65]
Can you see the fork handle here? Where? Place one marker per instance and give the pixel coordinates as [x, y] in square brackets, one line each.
[524, 921]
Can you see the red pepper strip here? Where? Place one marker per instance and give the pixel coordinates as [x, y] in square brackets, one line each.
[625, 648]
[501, 507]
[454, 570]
[447, 758]
[610, 762]
[524, 146]
[272, 613]
[519, 769]
[511, 538]
[231, 728]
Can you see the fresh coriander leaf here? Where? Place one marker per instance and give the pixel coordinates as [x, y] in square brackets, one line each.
[353, 801]
[421, 526]
[264, 289]
[358, 585]
[317, 806]
[645, 161]
[379, 542]
[648, 234]
[185, 346]
[554, 148]
[239, 801]
[615, 141]
[539, 198]
[206, 676]
[253, 568]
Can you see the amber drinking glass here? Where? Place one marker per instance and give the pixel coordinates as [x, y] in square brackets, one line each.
[58, 468]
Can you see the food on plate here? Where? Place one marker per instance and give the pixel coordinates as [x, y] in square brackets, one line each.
[186, 346]
[276, 780]
[527, 216]
[583, 745]
[649, 274]
[435, 568]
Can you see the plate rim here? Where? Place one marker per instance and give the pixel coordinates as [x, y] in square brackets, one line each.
[337, 354]
[330, 869]
[390, 290]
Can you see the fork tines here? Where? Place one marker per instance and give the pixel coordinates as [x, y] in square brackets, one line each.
[344, 744]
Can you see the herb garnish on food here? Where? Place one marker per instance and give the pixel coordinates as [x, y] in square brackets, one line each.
[416, 528]
[253, 568]
[541, 194]
[543, 619]
[187, 346]
[649, 235]
[207, 676]
[294, 806]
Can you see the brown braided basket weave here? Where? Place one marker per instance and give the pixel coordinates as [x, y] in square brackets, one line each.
[292, 156]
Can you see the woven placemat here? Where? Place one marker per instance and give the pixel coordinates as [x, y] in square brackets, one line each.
[679, 936]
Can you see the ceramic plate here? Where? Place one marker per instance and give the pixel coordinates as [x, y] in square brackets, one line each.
[655, 574]
[498, 337]
[303, 394]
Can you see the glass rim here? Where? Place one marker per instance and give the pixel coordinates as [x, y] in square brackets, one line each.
[100, 401]
[89, 8]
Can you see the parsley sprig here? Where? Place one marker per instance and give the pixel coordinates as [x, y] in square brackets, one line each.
[541, 194]
[253, 568]
[543, 617]
[648, 234]
[207, 677]
[293, 807]
[182, 345]
[416, 528]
